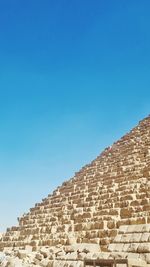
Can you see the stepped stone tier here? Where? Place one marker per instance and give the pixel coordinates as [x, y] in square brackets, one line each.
[106, 203]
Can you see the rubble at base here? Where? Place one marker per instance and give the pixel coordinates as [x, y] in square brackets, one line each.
[70, 256]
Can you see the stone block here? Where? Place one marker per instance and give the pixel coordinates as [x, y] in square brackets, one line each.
[143, 248]
[126, 238]
[126, 247]
[145, 237]
[138, 228]
[119, 247]
[135, 238]
[133, 247]
[111, 247]
[147, 258]
[126, 213]
[117, 238]
[130, 228]
[146, 228]
[111, 224]
[123, 229]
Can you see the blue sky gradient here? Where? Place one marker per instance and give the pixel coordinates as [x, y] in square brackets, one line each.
[74, 77]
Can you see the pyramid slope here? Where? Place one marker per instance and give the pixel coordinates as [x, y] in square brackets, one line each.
[113, 190]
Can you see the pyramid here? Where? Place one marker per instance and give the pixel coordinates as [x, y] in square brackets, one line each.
[106, 203]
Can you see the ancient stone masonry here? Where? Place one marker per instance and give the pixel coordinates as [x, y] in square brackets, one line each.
[111, 192]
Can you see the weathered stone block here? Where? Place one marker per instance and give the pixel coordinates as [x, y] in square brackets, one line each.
[126, 213]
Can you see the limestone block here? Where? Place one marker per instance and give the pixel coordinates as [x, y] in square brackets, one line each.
[2, 257]
[69, 249]
[71, 240]
[111, 224]
[133, 247]
[126, 238]
[94, 234]
[103, 234]
[94, 240]
[132, 257]
[113, 212]
[126, 213]
[72, 255]
[135, 237]
[118, 255]
[21, 254]
[146, 228]
[119, 247]
[104, 241]
[117, 239]
[78, 227]
[50, 264]
[13, 262]
[130, 229]
[98, 225]
[139, 228]
[143, 248]
[28, 249]
[126, 247]
[83, 246]
[45, 252]
[81, 256]
[111, 247]
[44, 263]
[112, 234]
[145, 237]
[135, 203]
[39, 256]
[123, 229]
[147, 258]
[122, 222]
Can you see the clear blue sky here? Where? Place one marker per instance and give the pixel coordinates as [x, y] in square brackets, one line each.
[74, 77]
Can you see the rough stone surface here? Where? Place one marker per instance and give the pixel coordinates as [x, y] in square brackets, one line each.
[106, 205]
